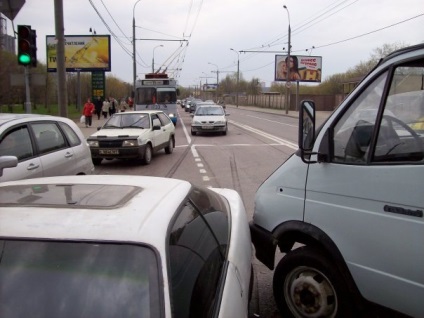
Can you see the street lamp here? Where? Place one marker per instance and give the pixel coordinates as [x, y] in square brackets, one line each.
[238, 75]
[133, 38]
[217, 79]
[153, 59]
[288, 84]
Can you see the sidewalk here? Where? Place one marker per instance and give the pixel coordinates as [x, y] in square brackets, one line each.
[321, 115]
[87, 131]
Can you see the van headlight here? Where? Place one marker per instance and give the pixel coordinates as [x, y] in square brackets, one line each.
[93, 143]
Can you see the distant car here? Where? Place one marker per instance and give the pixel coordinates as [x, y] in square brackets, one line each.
[122, 246]
[209, 118]
[194, 104]
[44, 146]
[133, 135]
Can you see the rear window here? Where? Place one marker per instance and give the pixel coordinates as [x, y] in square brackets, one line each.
[74, 279]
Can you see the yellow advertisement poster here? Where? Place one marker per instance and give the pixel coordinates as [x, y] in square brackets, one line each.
[82, 52]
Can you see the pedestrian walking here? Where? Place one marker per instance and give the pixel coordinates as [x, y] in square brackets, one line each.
[105, 108]
[123, 105]
[113, 104]
[98, 103]
[88, 111]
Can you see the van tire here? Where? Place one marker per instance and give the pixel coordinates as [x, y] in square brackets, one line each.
[304, 277]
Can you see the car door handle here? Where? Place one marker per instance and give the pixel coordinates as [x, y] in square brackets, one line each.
[68, 155]
[32, 166]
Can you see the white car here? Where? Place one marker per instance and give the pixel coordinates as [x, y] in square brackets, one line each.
[133, 135]
[44, 146]
[122, 246]
[209, 118]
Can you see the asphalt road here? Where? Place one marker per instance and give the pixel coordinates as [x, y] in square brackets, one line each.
[258, 142]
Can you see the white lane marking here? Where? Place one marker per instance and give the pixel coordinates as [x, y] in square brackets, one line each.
[272, 121]
[266, 135]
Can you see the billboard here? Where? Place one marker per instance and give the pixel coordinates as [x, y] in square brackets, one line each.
[84, 53]
[303, 68]
[210, 87]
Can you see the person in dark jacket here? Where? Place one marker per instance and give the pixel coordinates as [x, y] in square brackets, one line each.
[98, 103]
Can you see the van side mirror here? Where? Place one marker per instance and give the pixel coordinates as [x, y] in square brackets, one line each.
[306, 136]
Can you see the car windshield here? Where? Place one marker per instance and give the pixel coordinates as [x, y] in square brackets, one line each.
[209, 111]
[129, 120]
[78, 279]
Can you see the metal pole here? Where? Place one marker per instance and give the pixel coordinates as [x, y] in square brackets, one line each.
[60, 51]
[134, 57]
[288, 84]
[153, 58]
[27, 91]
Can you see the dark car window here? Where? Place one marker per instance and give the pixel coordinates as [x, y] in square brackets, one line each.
[17, 143]
[197, 251]
[74, 279]
[72, 137]
[48, 137]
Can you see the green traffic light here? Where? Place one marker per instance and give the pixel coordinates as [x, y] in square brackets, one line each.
[24, 59]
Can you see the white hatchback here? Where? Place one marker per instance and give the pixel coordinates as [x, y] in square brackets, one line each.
[44, 146]
[122, 246]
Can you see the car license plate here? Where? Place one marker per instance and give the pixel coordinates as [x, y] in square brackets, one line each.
[207, 127]
[108, 151]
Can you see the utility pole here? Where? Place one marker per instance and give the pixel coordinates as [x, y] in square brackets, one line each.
[288, 83]
[238, 76]
[60, 50]
[217, 79]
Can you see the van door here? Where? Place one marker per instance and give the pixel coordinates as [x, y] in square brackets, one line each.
[369, 197]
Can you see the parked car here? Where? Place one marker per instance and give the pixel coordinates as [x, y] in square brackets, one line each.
[44, 146]
[209, 118]
[347, 208]
[133, 135]
[122, 246]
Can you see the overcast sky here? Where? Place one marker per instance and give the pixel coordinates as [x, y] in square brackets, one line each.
[343, 32]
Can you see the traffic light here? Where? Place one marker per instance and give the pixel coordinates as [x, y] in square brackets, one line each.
[27, 46]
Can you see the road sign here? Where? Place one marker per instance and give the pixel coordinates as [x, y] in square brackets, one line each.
[10, 8]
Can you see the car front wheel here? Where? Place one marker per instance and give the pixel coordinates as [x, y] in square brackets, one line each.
[97, 161]
[170, 148]
[148, 153]
[307, 284]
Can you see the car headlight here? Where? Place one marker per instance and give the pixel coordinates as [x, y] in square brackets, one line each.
[171, 115]
[93, 143]
[129, 143]
[219, 122]
[195, 122]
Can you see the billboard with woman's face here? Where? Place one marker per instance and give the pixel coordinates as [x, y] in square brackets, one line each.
[302, 68]
[85, 53]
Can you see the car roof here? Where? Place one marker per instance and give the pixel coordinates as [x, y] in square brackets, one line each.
[147, 111]
[8, 117]
[91, 207]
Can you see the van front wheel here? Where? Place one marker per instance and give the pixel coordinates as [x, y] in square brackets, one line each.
[306, 284]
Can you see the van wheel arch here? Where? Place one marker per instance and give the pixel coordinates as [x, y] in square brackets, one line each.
[289, 233]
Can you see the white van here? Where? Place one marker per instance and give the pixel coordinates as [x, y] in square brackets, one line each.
[347, 207]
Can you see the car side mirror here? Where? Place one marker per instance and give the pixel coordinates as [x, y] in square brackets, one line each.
[7, 162]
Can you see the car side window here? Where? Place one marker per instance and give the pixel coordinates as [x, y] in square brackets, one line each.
[401, 133]
[164, 119]
[197, 248]
[48, 137]
[155, 120]
[72, 137]
[354, 131]
[17, 143]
